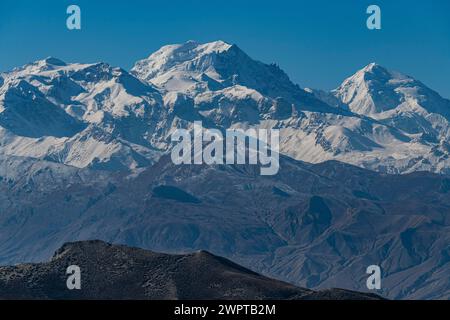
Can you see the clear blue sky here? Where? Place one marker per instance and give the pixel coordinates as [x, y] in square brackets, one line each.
[318, 43]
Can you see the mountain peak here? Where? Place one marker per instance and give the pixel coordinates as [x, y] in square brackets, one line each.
[374, 71]
[53, 61]
[185, 57]
[210, 47]
[374, 90]
[193, 68]
[192, 45]
[373, 66]
[47, 63]
[187, 51]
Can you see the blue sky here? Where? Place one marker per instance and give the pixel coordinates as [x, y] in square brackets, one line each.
[318, 43]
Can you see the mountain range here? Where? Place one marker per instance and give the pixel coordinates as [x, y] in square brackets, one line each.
[363, 171]
[98, 116]
[314, 225]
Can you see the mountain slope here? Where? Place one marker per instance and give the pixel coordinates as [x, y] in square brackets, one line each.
[119, 272]
[318, 226]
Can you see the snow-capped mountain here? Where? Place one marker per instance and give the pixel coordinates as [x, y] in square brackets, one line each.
[369, 121]
[399, 101]
[78, 114]
[95, 115]
[193, 69]
[402, 102]
[379, 93]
